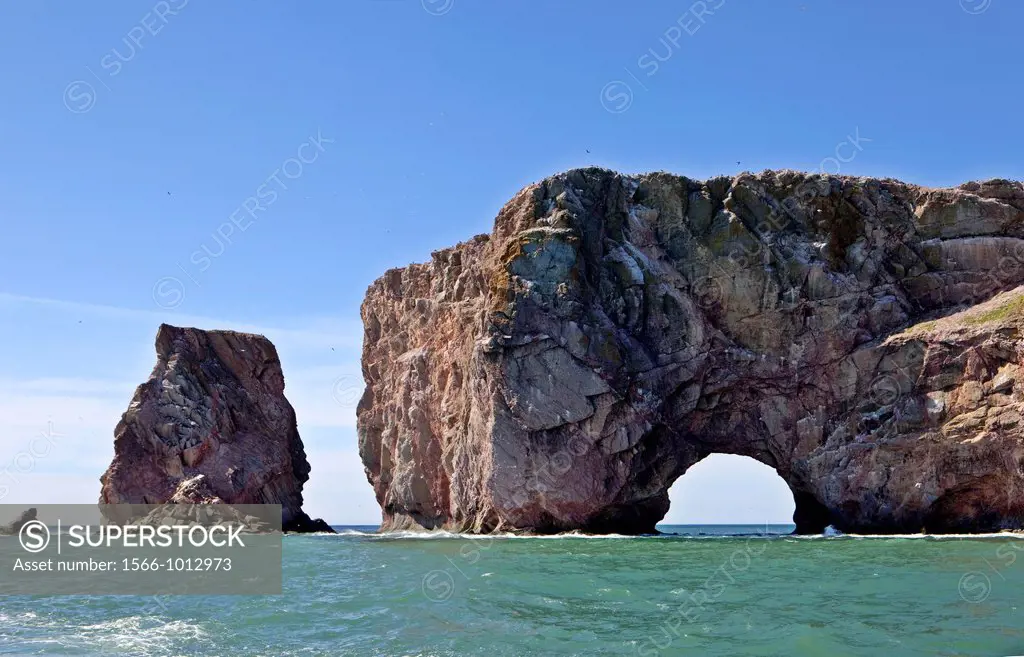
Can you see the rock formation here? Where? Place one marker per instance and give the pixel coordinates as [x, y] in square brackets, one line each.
[14, 527]
[211, 425]
[862, 337]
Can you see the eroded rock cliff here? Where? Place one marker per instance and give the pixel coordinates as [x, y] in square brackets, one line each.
[211, 425]
[561, 373]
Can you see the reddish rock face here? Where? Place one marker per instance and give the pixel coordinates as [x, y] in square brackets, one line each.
[211, 425]
[561, 373]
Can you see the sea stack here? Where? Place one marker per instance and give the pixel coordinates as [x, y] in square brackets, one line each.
[14, 527]
[211, 424]
[862, 337]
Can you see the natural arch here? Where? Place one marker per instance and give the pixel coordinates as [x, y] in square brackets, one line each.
[663, 456]
[612, 331]
[730, 489]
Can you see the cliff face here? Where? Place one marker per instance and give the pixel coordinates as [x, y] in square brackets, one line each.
[211, 425]
[860, 336]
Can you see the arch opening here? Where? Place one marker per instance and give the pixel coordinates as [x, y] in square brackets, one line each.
[729, 489]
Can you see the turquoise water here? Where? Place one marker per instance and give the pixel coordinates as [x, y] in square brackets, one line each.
[700, 592]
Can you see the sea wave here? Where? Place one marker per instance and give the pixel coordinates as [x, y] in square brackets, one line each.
[144, 635]
[135, 635]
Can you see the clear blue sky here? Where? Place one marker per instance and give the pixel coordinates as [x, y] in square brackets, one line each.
[433, 114]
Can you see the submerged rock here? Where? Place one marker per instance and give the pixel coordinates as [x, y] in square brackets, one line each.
[211, 425]
[561, 373]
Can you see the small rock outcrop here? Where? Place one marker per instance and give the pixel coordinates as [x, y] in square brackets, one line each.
[863, 337]
[14, 527]
[211, 425]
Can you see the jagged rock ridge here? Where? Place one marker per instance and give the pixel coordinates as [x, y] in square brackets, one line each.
[211, 425]
[561, 373]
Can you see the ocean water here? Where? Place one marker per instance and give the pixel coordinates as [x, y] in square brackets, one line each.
[701, 590]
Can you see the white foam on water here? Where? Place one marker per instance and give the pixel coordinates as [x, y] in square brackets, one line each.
[141, 635]
[130, 635]
[437, 535]
[931, 537]
[830, 533]
[345, 532]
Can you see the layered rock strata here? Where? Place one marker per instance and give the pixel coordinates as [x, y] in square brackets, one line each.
[211, 425]
[860, 336]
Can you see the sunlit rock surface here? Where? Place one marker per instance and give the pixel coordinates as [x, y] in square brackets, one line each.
[211, 425]
[560, 373]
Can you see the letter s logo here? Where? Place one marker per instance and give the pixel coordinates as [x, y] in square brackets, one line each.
[438, 585]
[34, 536]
